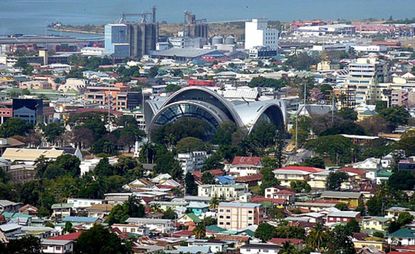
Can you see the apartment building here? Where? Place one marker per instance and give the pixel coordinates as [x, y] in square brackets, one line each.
[192, 161]
[244, 166]
[236, 215]
[228, 192]
[364, 75]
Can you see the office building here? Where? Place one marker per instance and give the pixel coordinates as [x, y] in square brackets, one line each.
[236, 215]
[259, 35]
[30, 110]
[361, 84]
[117, 42]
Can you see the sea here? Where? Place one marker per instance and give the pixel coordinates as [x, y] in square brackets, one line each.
[33, 16]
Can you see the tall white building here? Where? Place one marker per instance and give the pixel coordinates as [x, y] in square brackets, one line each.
[362, 83]
[258, 34]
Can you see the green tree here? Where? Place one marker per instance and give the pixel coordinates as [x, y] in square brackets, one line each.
[68, 228]
[395, 115]
[223, 135]
[300, 186]
[191, 144]
[265, 232]
[208, 178]
[25, 245]
[199, 231]
[267, 82]
[268, 179]
[213, 162]
[340, 241]
[337, 148]
[166, 163]
[318, 238]
[342, 206]
[153, 72]
[14, 126]
[335, 180]
[100, 240]
[104, 168]
[65, 164]
[347, 114]
[53, 131]
[169, 214]
[191, 186]
[316, 162]
[402, 180]
[353, 226]
[171, 88]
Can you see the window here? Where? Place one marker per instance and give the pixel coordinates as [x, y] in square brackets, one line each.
[228, 217]
[58, 248]
[228, 223]
[250, 211]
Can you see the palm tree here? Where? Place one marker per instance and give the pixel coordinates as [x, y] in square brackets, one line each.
[214, 202]
[199, 231]
[317, 237]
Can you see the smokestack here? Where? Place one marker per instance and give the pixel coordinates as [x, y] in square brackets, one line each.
[154, 14]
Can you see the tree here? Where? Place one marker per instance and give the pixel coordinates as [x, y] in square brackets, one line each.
[268, 179]
[395, 115]
[169, 214]
[267, 82]
[166, 163]
[407, 143]
[52, 131]
[374, 125]
[153, 72]
[336, 148]
[14, 126]
[191, 144]
[191, 186]
[317, 238]
[340, 241]
[68, 228]
[347, 114]
[104, 168]
[99, 240]
[342, 206]
[353, 226]
[301, 61]
[213, 162]
[223, 135]
[401, 180]
[316, 162]
[214, 202]
[265, 231]
[65, 164]
[335, 180]
[288, 248]
[285, 231]
[300, 186]
[130, 208]
[199, 231]
[27, 245]
[208, 178]
[171, 88]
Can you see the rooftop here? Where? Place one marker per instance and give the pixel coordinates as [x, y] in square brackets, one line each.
[238, 205]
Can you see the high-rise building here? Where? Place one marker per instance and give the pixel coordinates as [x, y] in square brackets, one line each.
[142, 38]
[236, 216]
[194, 28]
[362, 82]
[258, 35]
[117, 42]
[132, 38]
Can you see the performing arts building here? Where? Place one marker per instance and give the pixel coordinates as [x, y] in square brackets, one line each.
[207, 105]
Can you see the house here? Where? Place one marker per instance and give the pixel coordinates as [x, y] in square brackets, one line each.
[198, 208]
[244, 166]
[372, 243]
[314, 110]
[18, 218]
[28, 209]
[236, 215]
[10, 230]
[342, 217]
[61, 210]
[228, 192]
[281, 241]
[81, 203]
[288, 174]
[132, 229]
[99, 210]
[251, 180]
[158, 225]
[117, 198]
[60, 244]
[375, 223]
[403, 236]
[57, 246]
[259, 248]
[276, 193]
[87, 221]
[393, 212]
[9, 206]
[352, 199]
[315, 205]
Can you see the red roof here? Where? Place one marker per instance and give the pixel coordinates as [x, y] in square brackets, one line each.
[302, 168]
[67, 237]
[288, 192]
[281, 241]
[251, 178]
[242, 160]
[182, 233]
[214, 172]
[260, 199]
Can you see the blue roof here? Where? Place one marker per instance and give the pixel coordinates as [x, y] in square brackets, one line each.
[80, 219]
[225, 179]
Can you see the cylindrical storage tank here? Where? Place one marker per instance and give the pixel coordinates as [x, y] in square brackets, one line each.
[217, 40]
[230, 40]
